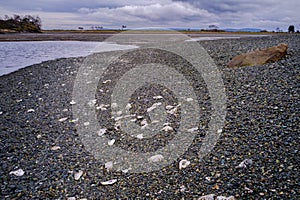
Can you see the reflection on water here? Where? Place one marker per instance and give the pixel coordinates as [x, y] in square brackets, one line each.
[16, 55]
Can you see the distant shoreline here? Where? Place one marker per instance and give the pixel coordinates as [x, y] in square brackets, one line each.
[101, 35]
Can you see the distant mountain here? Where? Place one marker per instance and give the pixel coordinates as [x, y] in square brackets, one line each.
[243, 30]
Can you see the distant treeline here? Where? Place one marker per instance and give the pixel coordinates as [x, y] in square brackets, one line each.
[19, 23]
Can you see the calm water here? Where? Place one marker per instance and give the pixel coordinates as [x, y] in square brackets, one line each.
[16, 55]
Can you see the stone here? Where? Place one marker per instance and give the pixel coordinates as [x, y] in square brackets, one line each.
[259, 57]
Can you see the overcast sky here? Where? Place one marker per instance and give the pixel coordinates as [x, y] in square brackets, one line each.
[70, 14]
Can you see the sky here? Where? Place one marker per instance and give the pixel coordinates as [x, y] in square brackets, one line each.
[71, 14]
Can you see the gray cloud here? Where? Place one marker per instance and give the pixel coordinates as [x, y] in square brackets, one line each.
[267, 14]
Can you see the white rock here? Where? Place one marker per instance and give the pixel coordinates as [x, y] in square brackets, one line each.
[110, 182]
[78, 175]
[108, 166]
[72, 102]
[30, 110]
[101, 132]
[63, 119]
[111, 142]
[184, 163]
[55, 148]
[1, 113]
[18, 172]
[156, 158]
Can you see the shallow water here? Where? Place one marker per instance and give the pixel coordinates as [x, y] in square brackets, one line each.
[16, 55]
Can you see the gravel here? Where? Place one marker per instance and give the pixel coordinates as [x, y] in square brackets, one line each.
[38, 135]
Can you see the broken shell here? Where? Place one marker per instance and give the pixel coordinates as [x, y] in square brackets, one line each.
[101, 132]
[167, 128]
[78, 175]
[111, 142]
[108, 166]
[30, 110]
[156, 158]
[110, 182]
[63, 119]
[18, 172]
[184, 163]
[158, 97]
[55, 148]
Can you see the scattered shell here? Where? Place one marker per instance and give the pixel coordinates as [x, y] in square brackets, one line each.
[126, 170]
[225, 198]
[173, 111]
[101, 132]
[18, 172]
[189, 99]
[156, 158]
[219, 131]
[140, 117]
[153, 106]
[63, 119]
[1, 113]
[158, 97]
[74, 120]
[128, 106]
[245, 163]
[92, 102]
[55, 148]
[140, 136]
[184, 163]
[78, 175]
[119, 112]
[39, 136]
[30, 110]
[19, 100]
[192, 129]
[108, 166]
[111, 142]
[114, 105]
[110, 182]
[86, 123]
[207, 197]
[102, 107]
[72, 102]
[71, 198]
[65, 110]
[167, 128]
[182, 188]
[169, 107]
[106, 81]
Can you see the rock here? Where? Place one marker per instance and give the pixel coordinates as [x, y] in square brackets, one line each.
[259, 57]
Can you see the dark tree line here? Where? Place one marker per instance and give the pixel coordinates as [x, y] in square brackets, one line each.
[19, 23]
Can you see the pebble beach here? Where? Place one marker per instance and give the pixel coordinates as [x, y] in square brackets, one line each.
[256, 156]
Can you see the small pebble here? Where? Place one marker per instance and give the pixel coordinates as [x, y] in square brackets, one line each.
[55, 148]
[63, 119]
[111, 142]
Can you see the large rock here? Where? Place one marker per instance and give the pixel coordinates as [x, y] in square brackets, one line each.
[259, 57]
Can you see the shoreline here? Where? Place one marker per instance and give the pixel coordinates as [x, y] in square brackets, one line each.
[101, 36]
[261, 125]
